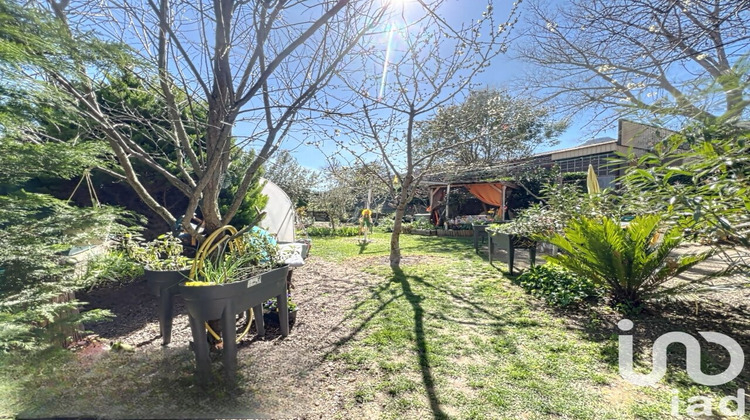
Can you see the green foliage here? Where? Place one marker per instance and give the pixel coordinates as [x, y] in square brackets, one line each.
[32, 42]
[260, 248]
[21, 161]
[326, 231]
[576, 178]
[257, 253]
[422, 223]
[632, 263]
[230, 267]
[271, 305]
[35, 232]
[700, 180]
[561, 203]
[386, 223]
[36, 228]
[253, 202]
[557, 286]
[502, 127]
[112, 267]
[162, 254]
[531, 182]
[33, 319]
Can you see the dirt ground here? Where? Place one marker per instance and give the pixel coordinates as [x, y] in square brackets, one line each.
[313, 387]
[327, 294]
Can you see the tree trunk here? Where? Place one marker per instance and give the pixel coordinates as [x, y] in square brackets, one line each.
[395, 256]
[63, 334]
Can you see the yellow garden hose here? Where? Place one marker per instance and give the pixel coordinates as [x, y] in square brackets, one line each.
[212, 242]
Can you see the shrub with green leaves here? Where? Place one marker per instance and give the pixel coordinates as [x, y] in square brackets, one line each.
[541, 221]
[37, 279]
[423, 224]
[701, 180]
[632, 264]
[556, 285]
[162, 254]
[327, 231]
[113, 267]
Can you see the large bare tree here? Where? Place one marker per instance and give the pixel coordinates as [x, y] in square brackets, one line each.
[652, 58]
[424, 66]
[249, 64]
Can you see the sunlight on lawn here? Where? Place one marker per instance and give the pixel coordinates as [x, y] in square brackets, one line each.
[448, 336]
[458, 340]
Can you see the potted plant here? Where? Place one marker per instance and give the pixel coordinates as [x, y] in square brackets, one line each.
[271, 310]
[228, 278]
[164, 268]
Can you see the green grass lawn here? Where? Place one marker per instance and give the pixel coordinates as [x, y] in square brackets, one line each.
[448, 336]
[451, 337]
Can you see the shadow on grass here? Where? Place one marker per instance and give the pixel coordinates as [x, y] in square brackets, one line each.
[440, 244]
[363, 245]
[424, 364]
[598, 323]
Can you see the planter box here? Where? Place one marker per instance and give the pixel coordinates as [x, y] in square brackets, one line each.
[424, 232]
[479, 232]
[510, 243]
[163, 285]
[225, 301]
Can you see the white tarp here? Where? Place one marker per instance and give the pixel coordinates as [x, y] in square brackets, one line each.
[279, 210]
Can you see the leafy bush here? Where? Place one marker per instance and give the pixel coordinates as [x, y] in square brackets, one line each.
[556, 285]
[113, 267]
[162, 254]
[632, 263]
[701, 180]
[422, 224]
[561, 203]
[386, 224]
[36, 278]
[327, 231]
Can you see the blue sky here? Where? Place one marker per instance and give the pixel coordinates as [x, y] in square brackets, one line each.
[500, 74]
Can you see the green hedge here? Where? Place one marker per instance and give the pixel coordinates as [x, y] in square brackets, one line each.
[557, 286]
[326, 231]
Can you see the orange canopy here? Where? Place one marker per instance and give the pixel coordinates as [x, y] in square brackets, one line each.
[491, 194]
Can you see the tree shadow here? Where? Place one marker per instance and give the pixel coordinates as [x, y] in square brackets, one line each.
[428, 378]
[133, 306]
[356, 330]
[598, 323]
[363, 245]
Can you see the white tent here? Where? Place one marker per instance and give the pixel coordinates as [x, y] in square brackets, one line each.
[279, 210]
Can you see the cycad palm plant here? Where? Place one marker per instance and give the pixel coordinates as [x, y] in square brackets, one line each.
[632, 263]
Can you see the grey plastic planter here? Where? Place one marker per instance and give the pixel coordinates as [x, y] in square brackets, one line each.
[225, 301]
[510, 243]
[163, 285]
